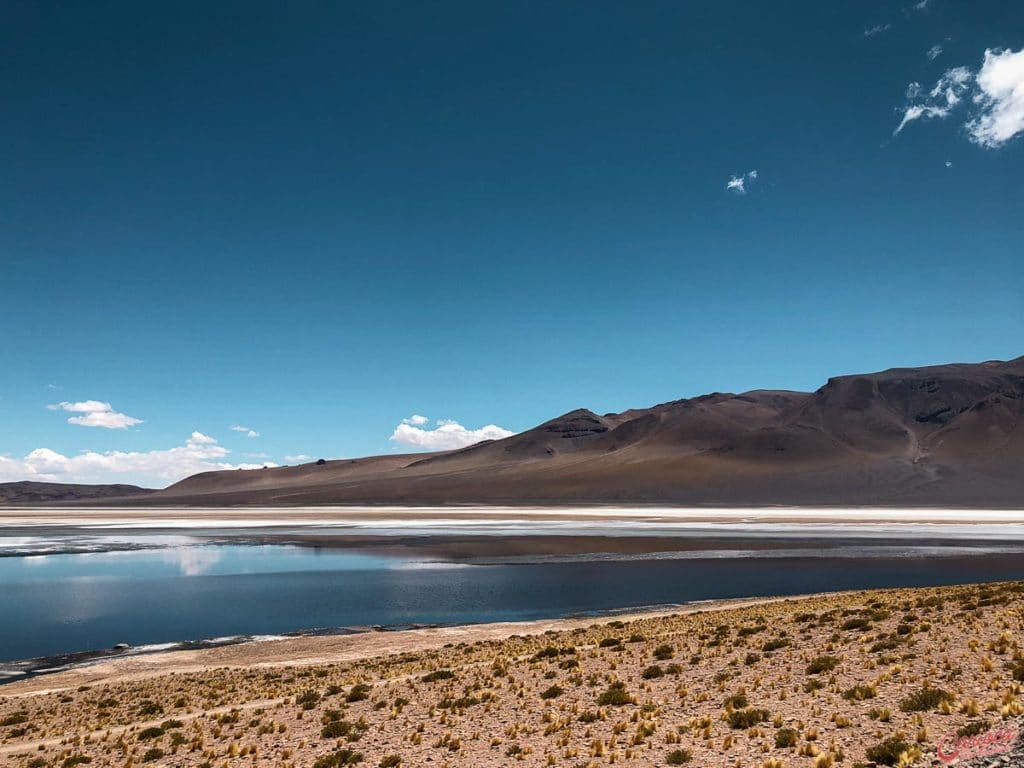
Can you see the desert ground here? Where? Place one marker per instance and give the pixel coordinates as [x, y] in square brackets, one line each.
[891, 677]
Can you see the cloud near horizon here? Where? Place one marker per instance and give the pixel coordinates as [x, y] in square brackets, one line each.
[199, 453]
[445, 436]
[995, 107]
[95, 413]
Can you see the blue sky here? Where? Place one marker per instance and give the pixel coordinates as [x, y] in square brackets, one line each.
[314, 220]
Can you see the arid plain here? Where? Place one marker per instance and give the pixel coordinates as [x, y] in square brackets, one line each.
[891, 677]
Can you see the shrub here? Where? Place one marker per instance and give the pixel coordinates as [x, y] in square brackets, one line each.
[390, 761]
[438, 674]
[308, 699]
[887, 752]
[925, 699]
[552, 693]
[736, 701]
[887, 644]
[358, 692]
[663, 652]
[460, 703]
[751, 658]
[151, 733]
[774, 645]
[678, 757]
[513, 750]
[73, 760]
[339, 759]
[822, 664]
[588, 717]
[747, 631]
[154, 753]
[859, 693]
[615, 696]
[150, 708]
[609, 642]
[859, 624]
[747, 718]
[1017, 670]
[785, 737]
[652, 672]
[336, 729]
[169, 725]
[973, 728]
[546, 653]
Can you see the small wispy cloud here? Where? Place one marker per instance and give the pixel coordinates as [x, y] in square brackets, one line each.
[445, 436]
[298, 458]
[738, 184]
[245, 431]
[922, 5]
[95, 413]
[877, 30]
[993, 97]
[934, 52]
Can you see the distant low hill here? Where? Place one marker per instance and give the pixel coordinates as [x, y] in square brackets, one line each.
[29, 492]
[950, 435]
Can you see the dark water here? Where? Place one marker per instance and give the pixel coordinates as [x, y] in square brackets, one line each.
[64, 603]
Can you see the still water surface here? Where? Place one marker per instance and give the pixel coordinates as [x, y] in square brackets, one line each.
[63, 603]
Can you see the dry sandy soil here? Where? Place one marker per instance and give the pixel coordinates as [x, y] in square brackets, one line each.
[816, 681]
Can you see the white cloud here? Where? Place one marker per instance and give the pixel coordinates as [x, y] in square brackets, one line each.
[996, 105]
[245, 431]
[738, 184]
[298, 458]
[416, 420]
[922, 5]
[199, 453]
[445, 436]
[947, 93]
[934, 52]
[95, 413]
[877, 30]
[1000, 99]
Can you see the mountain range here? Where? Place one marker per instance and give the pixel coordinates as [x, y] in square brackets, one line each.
[949, 435]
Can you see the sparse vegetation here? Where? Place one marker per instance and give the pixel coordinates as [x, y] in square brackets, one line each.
[747, 718]
[822, 664]
[888, 752]
[925, 699]
[615, 696]
[678, 757]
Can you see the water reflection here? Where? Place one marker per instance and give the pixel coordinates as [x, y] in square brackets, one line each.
[192, 561]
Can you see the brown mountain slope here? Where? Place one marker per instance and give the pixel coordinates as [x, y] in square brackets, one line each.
[950, 435]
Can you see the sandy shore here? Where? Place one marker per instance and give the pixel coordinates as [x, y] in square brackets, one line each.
[304, 651]
[815, 681]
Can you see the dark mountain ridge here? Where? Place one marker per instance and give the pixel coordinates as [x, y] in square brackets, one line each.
[949, 435]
